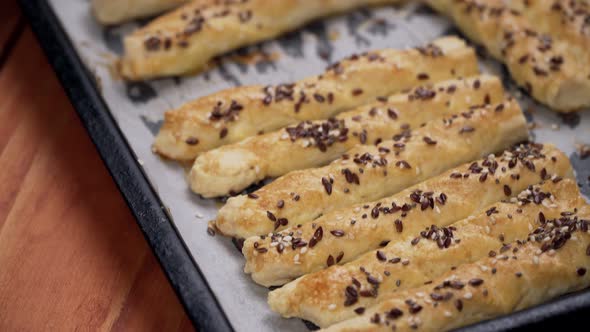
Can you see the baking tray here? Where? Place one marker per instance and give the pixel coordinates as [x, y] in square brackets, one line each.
[85, 89]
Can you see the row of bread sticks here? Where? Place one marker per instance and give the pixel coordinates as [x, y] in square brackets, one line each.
[429, 253]
[543, 255]
[380, 218]
[354, 262]
[381, 170]
[543, 42]
[380, 201]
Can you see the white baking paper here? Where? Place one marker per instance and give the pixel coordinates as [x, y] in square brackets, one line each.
[139, 107]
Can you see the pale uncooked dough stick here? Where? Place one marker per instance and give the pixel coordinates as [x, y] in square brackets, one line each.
[367, 173]
[553, 261]
[367, 226]
[231, 115]
[232, 168]
[339, 292]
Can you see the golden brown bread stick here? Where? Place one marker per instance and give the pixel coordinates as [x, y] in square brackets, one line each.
[551, 66]
[232, 168]
[186, 39]
[562, 19]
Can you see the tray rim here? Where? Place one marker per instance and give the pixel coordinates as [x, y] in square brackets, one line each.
[183, 273]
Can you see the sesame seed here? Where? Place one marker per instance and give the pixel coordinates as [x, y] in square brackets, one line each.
[392, 113]
[192, 141]
[271, 216]
[507, 190]
[429, 140]
[475, 282]
[337, 232]
[466, 129]
[399, 226]
[423, 76]
[372, 280]
[327, 185]
[330, 260]
[223, 132]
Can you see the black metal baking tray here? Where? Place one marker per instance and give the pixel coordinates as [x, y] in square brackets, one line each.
[166, 243]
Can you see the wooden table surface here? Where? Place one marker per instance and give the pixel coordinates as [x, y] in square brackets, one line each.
[71, 254]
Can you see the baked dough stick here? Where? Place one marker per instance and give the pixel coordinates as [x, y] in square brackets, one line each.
[366, 227]
[550, 69]
[185, 40]
[563, 19]
[339, 292]
[552, 262]
[369, 172]
[232, 115]
[119, 11]
[231, 168]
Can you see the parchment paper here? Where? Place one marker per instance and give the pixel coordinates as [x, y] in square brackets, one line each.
[139, 107]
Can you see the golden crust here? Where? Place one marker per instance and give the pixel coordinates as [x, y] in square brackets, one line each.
[544, 49]
[232, 115]
[368, 173]
[563, 19]
[118, 11]
[232, 168]
[322, 297]
[464, 196]
[535, 270]
[185, 40]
